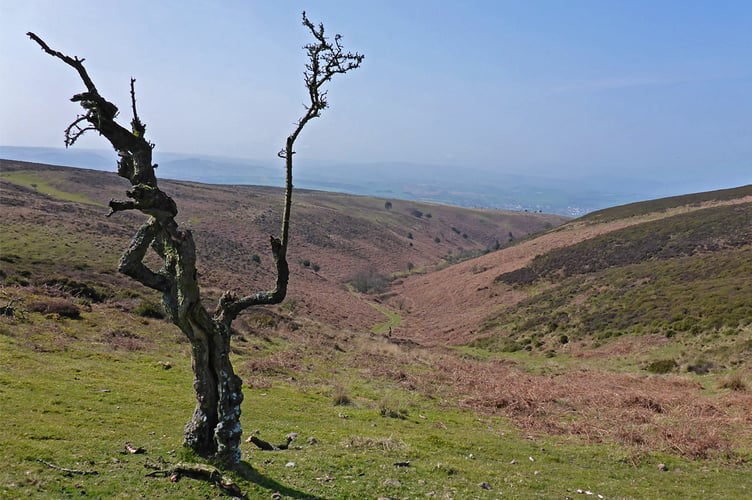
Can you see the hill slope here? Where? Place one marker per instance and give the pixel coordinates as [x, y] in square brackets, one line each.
[460, 303]
[87, 366]
[57, 217]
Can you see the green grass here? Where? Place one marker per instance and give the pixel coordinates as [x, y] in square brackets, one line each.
[393, 319]
[73, 394]
[37, 182]
[47, 246]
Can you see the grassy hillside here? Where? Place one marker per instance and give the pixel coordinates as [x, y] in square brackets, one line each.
[688, 273]
[664, 204]
[699, 232]
[57, 220]
[88, 365]
[636, 331]
[76, 390]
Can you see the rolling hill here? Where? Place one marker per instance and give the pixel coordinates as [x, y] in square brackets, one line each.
[422, 349]
[700, 230]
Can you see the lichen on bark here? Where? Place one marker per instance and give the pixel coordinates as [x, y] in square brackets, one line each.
[214, 430]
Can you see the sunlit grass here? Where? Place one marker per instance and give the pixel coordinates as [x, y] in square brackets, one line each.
[38, 182]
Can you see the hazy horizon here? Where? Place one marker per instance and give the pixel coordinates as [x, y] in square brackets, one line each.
[657, 92]
[571, 195]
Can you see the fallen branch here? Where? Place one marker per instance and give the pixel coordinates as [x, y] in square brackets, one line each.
[266, 446]
[200, 471]
[133, 450]
[66, 470]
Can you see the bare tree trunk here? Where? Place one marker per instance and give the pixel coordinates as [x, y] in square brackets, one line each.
[214, 430]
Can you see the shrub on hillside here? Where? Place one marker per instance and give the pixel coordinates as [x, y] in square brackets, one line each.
[662, 366]
[149, 309]
[340, 396]
[77, 289]
[522, 276]
[390, 408]
[16, 280]
[369, 281]
[62, 308]
[310, 265]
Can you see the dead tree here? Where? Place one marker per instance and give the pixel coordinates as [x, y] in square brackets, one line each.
[214, 430]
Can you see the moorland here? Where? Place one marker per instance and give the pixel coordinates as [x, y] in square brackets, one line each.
[423, 350]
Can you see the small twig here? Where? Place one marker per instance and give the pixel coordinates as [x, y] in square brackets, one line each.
[65, 469]
[137, 127]
[74, 131]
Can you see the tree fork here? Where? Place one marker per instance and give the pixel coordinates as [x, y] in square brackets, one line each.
[214, 429]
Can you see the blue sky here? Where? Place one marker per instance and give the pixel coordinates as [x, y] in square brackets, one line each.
[653, 89]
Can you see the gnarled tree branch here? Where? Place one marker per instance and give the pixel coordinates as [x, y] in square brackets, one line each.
[324, 61]
[214, 430]
[131, 262]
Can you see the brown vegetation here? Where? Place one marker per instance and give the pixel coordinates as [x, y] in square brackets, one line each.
[660, 402]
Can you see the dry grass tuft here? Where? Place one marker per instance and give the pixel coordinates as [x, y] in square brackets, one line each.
[60, 307]
[340, 396]
[124, 339]
[278, 363]
[734, 382]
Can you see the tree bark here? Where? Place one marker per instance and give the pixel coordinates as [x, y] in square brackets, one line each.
[214, 430]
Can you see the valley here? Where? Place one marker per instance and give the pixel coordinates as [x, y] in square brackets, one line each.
[532, 353]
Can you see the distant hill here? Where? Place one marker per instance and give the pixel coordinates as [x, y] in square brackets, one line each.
[601, 345]
[54, 223]
[475, 186]
[678, 268]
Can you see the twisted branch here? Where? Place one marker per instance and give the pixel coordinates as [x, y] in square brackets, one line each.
[325, 61]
